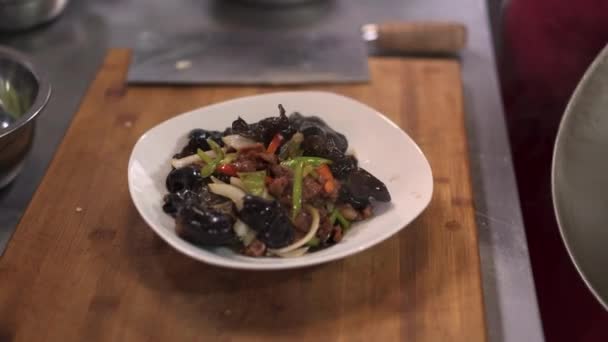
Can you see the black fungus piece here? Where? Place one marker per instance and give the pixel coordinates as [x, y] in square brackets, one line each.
[361, 186]
[264, 130]
[185, 178]
[345, 196]
[173, 203]
[205, 227]
[342, 167]
[197, 138]
[269, 220]
[320, 146]
[228, 131]
[315, 126]
[362, 183]
[210, 199]
[240, 126]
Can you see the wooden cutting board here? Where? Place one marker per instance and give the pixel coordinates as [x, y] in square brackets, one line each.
[83, 265]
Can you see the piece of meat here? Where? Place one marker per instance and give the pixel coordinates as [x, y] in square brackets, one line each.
[348, 212]
[337, 234]
[311, 188]
[325, 230]
[277, 186]
[281, 171]
[255, 249]
[253, 148]
[367, 212]
[322, 211]
[245, 165]
[299, 235]
[285, 199]
[248, 162]
[303, 221]
[270, 158]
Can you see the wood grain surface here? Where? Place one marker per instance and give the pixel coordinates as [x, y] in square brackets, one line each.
[83, 265]
[422, 37]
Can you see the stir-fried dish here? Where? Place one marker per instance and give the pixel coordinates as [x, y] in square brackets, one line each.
[283, 186]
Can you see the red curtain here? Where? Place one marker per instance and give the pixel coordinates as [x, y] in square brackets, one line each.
[548, 44]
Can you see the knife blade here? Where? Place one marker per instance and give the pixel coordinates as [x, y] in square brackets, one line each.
[250, 58]
[270, 57]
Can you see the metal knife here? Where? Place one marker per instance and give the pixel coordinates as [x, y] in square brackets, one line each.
[274, 57]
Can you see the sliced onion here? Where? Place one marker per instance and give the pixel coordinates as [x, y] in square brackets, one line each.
[238, 183]
[189, 160]
[246, 234]
[311, 233]
[239, 142]
[249, 237]
[295, 253]
[183, 162]
[230, 191]
[242, 230]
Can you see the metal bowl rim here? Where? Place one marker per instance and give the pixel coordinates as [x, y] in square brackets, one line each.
[17, 2]
[42, 96]
[568, 113]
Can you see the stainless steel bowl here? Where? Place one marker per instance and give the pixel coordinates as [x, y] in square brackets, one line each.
[23, 95]
[580, 177]
[278, 3]
[23, 14]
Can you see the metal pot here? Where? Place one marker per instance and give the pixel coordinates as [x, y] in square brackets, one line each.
[18, 15]
[278, 3]
[23, 95]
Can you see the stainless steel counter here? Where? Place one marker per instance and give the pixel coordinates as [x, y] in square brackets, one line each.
[71, 49]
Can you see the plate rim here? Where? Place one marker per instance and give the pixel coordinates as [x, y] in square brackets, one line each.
[295, 263]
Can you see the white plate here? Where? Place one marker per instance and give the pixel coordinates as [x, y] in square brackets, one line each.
[381, 147]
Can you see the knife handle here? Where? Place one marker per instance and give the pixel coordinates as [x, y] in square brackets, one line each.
[421, 37]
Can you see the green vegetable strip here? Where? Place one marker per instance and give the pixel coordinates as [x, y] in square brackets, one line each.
[254, 182]
[208, 169]
[343, 222]
[336, 216]
[204, 156]
[307, 170]
[333, 217]
[216, 148]
[289, 163]
[296, 195]
[228, 158]
[313, 161]
[314, 242]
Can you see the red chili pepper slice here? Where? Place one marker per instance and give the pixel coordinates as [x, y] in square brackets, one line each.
[275, 143]
[227, 169]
